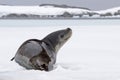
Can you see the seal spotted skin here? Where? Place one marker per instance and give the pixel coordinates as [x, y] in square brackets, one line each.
[41, 54]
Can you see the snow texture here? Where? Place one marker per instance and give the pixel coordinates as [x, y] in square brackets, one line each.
[92, 53]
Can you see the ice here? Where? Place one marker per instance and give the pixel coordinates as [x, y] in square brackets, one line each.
[92, 53]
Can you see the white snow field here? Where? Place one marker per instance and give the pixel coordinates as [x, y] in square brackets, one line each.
[92, 53]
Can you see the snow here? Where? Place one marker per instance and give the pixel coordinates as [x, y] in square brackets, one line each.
[39, 10]
[47, 11]
[112, 10]
[92, 53]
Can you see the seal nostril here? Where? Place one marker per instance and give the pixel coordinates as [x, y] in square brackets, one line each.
[68, 29]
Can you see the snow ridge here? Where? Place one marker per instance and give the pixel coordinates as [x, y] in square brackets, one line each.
[55, 11]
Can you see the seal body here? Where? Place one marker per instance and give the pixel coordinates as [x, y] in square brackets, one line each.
[41, 54]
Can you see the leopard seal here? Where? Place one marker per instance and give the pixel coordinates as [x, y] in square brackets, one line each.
[41, 54]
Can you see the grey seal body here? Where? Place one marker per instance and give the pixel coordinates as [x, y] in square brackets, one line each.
[41, 54]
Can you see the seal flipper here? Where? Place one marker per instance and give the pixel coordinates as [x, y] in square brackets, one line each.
[12, 59]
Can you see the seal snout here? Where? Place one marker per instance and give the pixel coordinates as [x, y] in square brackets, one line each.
[68, 29]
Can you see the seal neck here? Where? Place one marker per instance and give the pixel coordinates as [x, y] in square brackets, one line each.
[49, 45]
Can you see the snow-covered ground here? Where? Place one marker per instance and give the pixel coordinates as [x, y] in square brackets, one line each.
[92, 53]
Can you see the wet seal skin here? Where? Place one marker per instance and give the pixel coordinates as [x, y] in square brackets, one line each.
[41, 54]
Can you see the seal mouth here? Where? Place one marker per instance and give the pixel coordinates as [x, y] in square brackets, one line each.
[67, 38]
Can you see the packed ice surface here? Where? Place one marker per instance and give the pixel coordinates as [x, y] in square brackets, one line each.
[92, 53]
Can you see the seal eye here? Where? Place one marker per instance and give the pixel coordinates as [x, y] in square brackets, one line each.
[61, 36]
[47, 44]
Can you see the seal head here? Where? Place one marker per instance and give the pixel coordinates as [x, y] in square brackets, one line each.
[57, 39]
